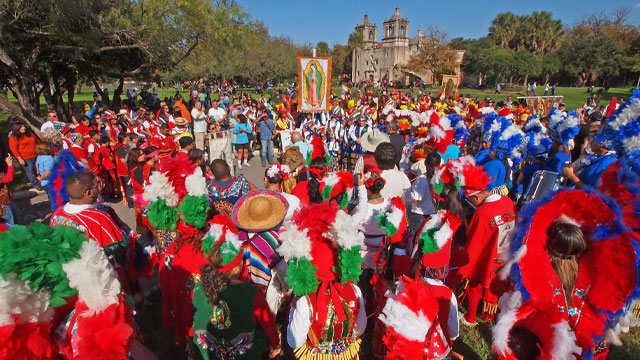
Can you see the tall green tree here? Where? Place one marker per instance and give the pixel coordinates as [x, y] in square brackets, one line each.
[46, 44]
[322, 48]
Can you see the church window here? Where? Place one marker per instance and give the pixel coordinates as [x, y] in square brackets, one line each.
[391, 30]
[370, 35]
[402, 30]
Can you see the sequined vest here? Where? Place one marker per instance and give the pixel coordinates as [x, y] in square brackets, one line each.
[227, 331]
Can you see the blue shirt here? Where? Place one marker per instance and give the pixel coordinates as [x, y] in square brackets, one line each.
[482, 157]
[591, 174]
[44, 163]
[241, 137]
[495, 169]
[452, 153]
[303, 146]
[527, 173]
[266, 128]
[558, 161]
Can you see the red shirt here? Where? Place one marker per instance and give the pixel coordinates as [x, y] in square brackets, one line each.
[25, 147]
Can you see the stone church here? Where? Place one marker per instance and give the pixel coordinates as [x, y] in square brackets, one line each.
[387, 60]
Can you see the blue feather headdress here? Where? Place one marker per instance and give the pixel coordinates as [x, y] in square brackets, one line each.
[66, 164]
[563, 128]
[622, 131]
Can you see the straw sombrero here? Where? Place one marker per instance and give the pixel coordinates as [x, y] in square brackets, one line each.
[180, 121]
[259, 210]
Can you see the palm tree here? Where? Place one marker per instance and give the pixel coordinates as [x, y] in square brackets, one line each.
[503, 29]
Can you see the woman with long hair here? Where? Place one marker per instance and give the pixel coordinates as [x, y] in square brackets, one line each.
[135, 165]
[22, 142]
[231, 318]
[242, 130]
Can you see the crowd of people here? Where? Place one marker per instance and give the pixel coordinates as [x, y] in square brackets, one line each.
[387, 223]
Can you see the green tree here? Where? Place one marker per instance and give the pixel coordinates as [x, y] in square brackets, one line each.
[435, 55]
[322, 48]
[47, 44]
[504, 29]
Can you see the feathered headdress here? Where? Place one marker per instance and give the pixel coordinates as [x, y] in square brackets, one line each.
[316, 150]
[66, 164]
[609, 245]
[223, 232]
[435, 237]
[321, 247]
[337, 185]
[393, 221]
[563, 128]
[460, 128]
[622, 131]
[557, 341]
[178, 197]
[534, 125]
[278, 170]
[538, 145]
[408, 317]
[42, 271]
[440, 133]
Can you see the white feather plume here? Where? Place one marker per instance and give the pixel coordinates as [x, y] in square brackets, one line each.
[631, 144]
[160, 187]
[215, 231]
[16, 298]
[343, 233]
[443, 235]
[506, 319]
[405, 322]
[295, 243]
[196, 184]
[627, 114]
[511, 131]
[331, 179]
[564, 342]
[94, 278]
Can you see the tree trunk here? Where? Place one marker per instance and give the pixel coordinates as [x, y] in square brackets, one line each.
[103, 94]
[526, 82]
[25, 112]
[60, 99]
[511, 81]
[117, 103]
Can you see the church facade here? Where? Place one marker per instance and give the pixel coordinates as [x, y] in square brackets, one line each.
[387, 60]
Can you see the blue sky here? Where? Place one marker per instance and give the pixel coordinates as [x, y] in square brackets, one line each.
[333, 20]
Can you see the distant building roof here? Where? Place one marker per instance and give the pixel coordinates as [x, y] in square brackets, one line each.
[366, 22]
[396, 16]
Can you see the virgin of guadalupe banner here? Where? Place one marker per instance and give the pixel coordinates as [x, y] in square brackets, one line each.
[314, 79]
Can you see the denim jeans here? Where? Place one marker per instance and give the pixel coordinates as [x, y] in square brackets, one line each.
[29, 169]
[266, 150]
[9, 216]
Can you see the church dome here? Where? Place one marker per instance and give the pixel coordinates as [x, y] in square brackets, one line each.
[396, 16]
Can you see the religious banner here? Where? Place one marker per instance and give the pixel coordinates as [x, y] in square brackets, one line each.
[314, 79]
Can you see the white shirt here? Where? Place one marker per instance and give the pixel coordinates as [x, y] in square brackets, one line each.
[217, 114]
[199, 120]
[364, 219]
[421, 192]
[47, 125]
[397, 184]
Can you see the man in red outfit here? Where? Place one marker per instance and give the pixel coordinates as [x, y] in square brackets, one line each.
[487, 238]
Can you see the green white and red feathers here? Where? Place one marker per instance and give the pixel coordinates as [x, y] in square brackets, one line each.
[435, 238]
[223, 232]
[56, 270]
[177, 196]
[408, 316]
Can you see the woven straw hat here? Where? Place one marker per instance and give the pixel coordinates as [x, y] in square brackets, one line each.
[259, 210]
[180, 121]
